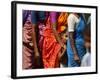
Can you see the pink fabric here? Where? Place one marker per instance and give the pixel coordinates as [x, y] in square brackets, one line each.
[53, 17]
[27, 52]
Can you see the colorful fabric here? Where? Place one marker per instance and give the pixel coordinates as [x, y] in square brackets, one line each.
[28, 50]
[51, 48]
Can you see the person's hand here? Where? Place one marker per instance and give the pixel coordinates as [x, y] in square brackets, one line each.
[37, 58]
[64, 47]
[61, 54]
[76, 58]
[37, 55]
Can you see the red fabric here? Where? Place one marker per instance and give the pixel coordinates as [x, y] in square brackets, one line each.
[51, 49]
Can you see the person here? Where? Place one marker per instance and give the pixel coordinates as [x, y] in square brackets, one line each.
[27, 49]
[86, 61]
[38, 17]
[41, 30]
[63, 56]
[52, 43]
[75, 43]
[32, 58]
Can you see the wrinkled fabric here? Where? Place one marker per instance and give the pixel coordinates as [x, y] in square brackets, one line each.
[29, 18]
[27, 48]
[51, 48]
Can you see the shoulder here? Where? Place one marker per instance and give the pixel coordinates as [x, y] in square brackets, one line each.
[71, 16]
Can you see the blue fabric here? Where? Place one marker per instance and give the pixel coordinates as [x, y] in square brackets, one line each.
[79, 43]
[37, 16]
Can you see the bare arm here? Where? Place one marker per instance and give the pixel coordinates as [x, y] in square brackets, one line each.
[53, 17]
[72, 20]
[34, 39]
[63, 51]
[72, 42]
[57, 36]
[34, 28]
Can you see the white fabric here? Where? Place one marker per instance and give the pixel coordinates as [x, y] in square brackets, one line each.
[86, 61]
[62, 65]
[72, 21]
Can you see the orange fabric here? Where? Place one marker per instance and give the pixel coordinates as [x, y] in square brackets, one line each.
[50, 50]
[62, 22]
[51, 47]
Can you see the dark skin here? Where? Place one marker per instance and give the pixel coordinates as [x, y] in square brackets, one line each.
[57, 35]
[63, 36]
[72, 41]
[53, 26]
[37, 55]
[87, 38]
[63, 47]
[34, 40]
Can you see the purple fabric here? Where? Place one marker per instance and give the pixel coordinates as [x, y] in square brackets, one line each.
[53, 17]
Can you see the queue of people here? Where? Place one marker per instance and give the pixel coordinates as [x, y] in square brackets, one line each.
[55, 40]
